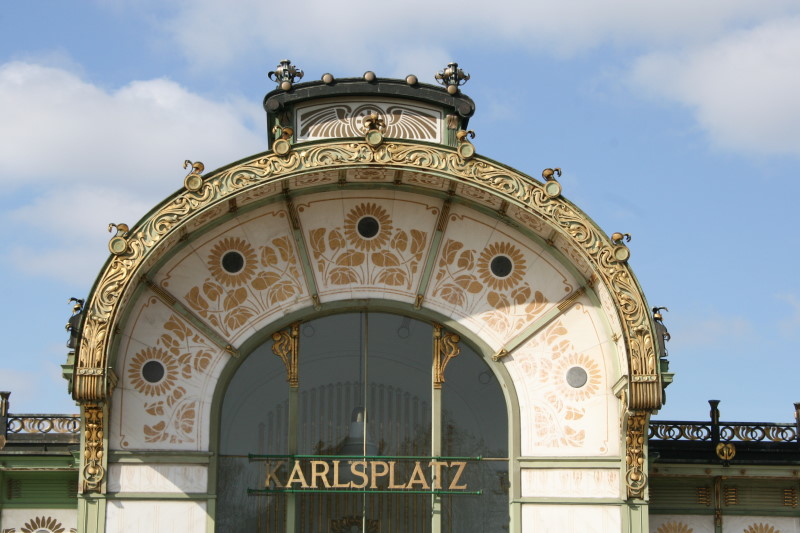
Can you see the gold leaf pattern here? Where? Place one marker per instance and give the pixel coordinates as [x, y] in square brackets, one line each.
[40, 524]
[462, 279]
[674, 527]
[387, 258]
[761, 528]
[248, 179]
[232, 244]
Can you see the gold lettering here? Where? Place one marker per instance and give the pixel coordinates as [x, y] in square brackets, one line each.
[316, 473]
[272, 474]
[375, 474]
[297, 476]
[437, 473]
[453, 484]
[360, 473]
[336, 484]
[392, 484]
[418, 478]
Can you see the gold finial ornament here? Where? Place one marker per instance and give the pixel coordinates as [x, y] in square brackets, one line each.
[621, 252]
[194, 179]
[327, 78]
[118, 245]
[282, 145]
[374, 126]
[552, 188]
[465, 148]
[284, 74]
[452, 77]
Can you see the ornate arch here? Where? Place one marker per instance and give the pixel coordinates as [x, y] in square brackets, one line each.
[144, 244]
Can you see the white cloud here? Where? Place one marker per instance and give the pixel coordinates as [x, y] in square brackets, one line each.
[100, 156]
[743, 88]
[63, 129]
[360, 34]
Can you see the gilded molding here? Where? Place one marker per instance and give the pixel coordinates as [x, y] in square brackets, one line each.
[635, 442]
[93, 471]
[445, 348]
[286, 345]
[122, 272]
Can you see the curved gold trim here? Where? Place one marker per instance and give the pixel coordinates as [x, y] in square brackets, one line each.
[121, 274]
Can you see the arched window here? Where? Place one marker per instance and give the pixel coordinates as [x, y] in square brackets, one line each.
[368, 408]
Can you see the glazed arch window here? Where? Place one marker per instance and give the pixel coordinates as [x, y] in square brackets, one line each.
[365, 386]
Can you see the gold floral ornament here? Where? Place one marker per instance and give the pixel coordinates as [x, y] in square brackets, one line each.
[674, 527]
[232, 261]
[43, 525]
[501, 266]
[761, 528]
[153, 372]
[580, 374]
[368, 227]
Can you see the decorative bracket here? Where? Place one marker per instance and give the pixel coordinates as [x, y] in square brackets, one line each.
[286, 345]
[93, 472]
[635, 442]
[445, 347]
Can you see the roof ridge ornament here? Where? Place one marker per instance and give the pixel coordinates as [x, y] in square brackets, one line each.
[284, 74]
[452, 77]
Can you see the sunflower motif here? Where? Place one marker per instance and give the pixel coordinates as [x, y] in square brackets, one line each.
[43, 525]
[573, 364]
[501, 265]
[368, 227]
[232, 261]
[674, 527]
[761, 528]
[167, 379]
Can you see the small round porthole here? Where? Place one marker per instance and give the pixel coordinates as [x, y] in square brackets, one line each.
[153, 371]
[232, 262]
[368, 227]
[577, 377]
[501, 266]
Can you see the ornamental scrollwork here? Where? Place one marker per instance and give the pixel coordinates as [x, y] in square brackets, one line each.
[93, 471]
[120, 276]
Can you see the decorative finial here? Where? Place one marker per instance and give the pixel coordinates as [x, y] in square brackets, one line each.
[617, 237]
[194, 179]
[118, 245]
[465, 148]
[452, 77]
[284, 74]
[551, 187]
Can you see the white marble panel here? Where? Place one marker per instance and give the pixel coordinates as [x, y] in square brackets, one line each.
[558, 418]
[127, 516]
[761, 524]
[173, 411]
[127, 477]
[387, 265]
[464, 286]
[681, 524]
[538, 518]
[571, 482]
[18, 520]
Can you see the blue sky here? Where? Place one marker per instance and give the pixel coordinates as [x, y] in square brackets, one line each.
[677, 122]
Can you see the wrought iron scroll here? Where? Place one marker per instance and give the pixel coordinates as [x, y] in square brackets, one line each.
[286, 345]
[445, 348]
[117, 282]
[37, 424]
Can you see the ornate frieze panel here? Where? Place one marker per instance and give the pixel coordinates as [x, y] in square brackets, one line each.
[167, 374]
[159, 477]
[570, 482]
[367, 245]
[762, 524]
[681, 524]
[562, 377]
[492, 279]
[428, 181]
[39, 520]
[402, 120]
[116, 282]
[240, 275]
